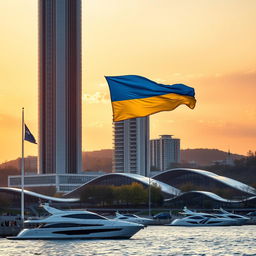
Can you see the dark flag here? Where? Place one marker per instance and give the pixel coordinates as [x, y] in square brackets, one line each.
[29, 136]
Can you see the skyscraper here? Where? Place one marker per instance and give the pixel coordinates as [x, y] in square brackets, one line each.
[163, 152]
[131, 146]
[59, 86]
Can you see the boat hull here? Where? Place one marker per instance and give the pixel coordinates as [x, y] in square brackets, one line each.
[202, 223]
[199, 225]
[121, 232]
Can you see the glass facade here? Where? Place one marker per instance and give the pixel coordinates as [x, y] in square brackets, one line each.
[188, 180]
[59, 86]
[62, 182]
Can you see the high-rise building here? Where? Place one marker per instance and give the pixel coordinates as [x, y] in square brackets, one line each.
[59, 86]
[163, 152]
[131, 146]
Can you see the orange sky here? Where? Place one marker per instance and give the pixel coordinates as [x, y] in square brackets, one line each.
[209, 45]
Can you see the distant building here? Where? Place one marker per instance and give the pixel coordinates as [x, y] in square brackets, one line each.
[131, 146]
[30, 164]
[59, 86]
[163, 152]
[62, 183]
[228, 161]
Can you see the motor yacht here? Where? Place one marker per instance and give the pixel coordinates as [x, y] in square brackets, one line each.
[134, 219]
[202, 220]
[76, 225]
[240, 219]
[221, 213]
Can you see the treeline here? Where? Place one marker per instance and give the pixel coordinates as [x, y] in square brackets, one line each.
[205, 156]
[244, 169]
[126, 195]
[101, 160]
[224, 192]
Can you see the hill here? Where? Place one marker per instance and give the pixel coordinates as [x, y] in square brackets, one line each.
[100, 160]
[205, 156]
[30, 164]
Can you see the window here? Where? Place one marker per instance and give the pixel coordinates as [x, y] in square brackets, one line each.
[196, 217]
[234, 217]
[213, 222]
[84, 216]
[130, 215]
[86, 232]
[209, 216]
[68, 225]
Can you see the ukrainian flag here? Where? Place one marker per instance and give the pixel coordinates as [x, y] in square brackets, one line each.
[136, 96]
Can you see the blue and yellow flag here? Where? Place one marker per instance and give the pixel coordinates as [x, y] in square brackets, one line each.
[136, 96]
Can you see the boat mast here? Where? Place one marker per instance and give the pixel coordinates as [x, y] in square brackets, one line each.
[22, 171]
[149, 197]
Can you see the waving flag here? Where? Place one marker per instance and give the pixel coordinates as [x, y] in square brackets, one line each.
[136, 96]
[29, 136]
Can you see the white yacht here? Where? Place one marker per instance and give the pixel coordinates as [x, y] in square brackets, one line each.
[202, 219]
[237, 219]
[134, 218]
[77, 225]
[240, 219]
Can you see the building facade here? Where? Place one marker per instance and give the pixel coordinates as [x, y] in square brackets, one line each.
[187, 179]
[131, 146]
[59, 86]
[44, 183]
[163, 152]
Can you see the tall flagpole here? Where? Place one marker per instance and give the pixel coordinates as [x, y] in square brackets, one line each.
[149, 197]
[22, 171]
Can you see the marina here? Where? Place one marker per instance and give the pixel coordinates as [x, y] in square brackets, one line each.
[92, 161]
[153, 240]
[75, 225]
[84, 224]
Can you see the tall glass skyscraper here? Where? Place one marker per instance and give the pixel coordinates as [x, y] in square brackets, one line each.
[59, 86]
[131, 146]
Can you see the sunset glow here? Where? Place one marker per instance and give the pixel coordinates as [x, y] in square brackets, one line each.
[208, 45]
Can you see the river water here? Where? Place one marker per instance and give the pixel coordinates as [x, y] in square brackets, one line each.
[153, 240]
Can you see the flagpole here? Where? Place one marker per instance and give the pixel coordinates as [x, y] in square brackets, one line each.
[22, 171]
[149, 197]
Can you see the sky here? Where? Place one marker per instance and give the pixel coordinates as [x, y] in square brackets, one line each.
[206, 44]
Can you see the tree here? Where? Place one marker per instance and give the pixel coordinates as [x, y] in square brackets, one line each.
[156, 195]
[138, 194]
[186, 187]
[134, 194]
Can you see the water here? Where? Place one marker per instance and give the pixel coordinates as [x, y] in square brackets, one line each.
[153, 240]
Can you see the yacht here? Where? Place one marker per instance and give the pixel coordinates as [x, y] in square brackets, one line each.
[133, 218]
[240, 219]
[221, 213]
[76, 225]
[202, 219]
